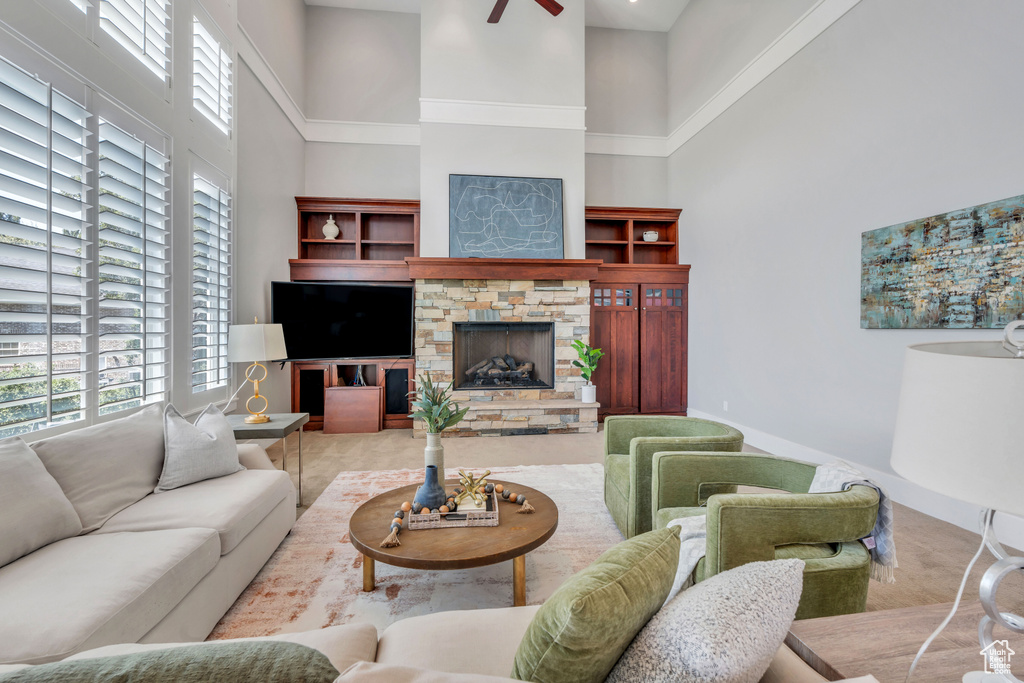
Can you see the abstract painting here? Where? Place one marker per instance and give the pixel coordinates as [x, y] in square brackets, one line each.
[962, 269]
[501, 217]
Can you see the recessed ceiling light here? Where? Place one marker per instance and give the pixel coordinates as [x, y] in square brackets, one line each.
[632, 0]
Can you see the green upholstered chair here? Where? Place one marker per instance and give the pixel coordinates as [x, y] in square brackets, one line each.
[630, 442]
[822, 529]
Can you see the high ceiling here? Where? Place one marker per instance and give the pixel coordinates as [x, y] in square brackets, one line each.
[642, 15]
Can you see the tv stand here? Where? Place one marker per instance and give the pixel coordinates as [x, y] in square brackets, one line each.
[311, 379]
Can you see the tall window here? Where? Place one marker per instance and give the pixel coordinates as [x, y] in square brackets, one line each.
[211, 284]
[142, 27]
[211, 77]
[133, 271]
[44, 254]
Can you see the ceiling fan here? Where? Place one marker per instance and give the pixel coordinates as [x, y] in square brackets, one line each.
[499, 8]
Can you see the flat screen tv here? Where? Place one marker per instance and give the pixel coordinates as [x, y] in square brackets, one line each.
[342, 320]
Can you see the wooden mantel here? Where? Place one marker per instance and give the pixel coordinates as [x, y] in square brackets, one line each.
[502, 269]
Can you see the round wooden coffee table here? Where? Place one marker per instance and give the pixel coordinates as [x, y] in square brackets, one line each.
[458, 548]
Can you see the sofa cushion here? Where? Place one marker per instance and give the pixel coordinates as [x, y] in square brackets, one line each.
[417, 641]
[726, 629]
[196, 452]
[87, 591]
[369, 672]
[233, 506]
[581, 631]
[105, 468]
[344, 645]
[33, 509]
[236, 662]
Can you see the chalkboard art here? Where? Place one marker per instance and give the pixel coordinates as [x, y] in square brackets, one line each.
[501, 217]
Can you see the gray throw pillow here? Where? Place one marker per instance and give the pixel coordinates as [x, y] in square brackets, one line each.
[107, 467]
[197, 452]
[239, 662]
[723, 630]
[33, 510]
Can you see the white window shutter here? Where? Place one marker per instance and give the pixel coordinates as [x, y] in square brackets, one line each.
[44, 254]
[211, 284]
[133, 271]
[211, 77]
[143, 28]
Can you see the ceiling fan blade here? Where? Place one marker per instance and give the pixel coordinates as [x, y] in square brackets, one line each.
[551, 6]
[499, 8]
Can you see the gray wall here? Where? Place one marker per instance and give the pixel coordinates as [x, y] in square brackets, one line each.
[362, 65]
[278, 29]
[713, 40]
[900, 110]
[626, 75]
[614, 180]
[349, 170]
[270, 175]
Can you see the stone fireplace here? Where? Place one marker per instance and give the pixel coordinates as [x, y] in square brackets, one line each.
[462, 319]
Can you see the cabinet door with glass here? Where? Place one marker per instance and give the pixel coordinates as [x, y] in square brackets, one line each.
[614, 329]
[663, 348]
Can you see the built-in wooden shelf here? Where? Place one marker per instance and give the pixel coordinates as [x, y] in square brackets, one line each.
[502, 269]
[371, 229]
[616, 235]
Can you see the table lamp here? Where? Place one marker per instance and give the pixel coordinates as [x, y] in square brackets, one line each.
[958, 432]
[255, 343]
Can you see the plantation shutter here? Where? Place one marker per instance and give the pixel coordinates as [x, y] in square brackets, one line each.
[142, 27]
[44, 237]
[133, 271]
[211, 284]
[211, 77]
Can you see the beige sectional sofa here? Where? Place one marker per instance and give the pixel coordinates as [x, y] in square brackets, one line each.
[146, 567]
[414, 650]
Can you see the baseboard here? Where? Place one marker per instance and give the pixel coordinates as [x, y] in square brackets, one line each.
[1009, 528]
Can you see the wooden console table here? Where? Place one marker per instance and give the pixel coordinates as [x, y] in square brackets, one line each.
[884, 644]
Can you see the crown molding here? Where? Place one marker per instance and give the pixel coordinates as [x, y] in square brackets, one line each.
[626, 145]
[252, 56]
[813, 23]
[475, 113]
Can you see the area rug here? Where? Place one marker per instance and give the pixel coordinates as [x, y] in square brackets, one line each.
[314, 579]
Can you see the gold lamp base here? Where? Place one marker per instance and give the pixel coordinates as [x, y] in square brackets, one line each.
[256, 417]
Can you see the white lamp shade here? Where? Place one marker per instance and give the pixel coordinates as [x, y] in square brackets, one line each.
[260, 342]
[958, 429]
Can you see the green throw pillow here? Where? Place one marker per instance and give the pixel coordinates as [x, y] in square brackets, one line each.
[583, 629]
[241, 662]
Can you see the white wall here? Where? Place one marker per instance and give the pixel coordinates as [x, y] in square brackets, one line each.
[271, 172]
[358, 170]
[362, 65]
[713, 40]
[900, 110]
[626, 75]
[531, 60]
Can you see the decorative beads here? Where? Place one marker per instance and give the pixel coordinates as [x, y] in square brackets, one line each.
[498, 488]
[400, 514]
[505, 494]
[406, 506]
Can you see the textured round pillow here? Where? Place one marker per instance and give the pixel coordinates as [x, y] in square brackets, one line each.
[723, 630]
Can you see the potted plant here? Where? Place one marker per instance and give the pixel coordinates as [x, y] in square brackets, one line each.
[434, 405]
[587, 363]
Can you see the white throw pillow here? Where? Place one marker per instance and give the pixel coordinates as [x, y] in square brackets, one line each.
[197, 452]
[33, 509]
[107, 467]
[723, 630]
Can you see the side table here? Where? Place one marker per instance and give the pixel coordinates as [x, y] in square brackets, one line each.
[279, 427]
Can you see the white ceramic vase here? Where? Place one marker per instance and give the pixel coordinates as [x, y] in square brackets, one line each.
[433, 454]
[331, 229]
[589, 394]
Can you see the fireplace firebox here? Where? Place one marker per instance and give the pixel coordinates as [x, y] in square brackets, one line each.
[491, 355]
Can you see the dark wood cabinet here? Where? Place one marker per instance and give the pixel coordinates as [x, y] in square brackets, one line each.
[311, 380]
[638, 311]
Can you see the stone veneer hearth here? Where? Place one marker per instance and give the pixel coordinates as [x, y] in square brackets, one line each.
[496, 412]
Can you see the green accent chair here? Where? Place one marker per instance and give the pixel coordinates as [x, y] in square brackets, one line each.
[822, 529]
[630, 442]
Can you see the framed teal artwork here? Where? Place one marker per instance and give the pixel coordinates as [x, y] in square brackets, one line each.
[962, 269]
